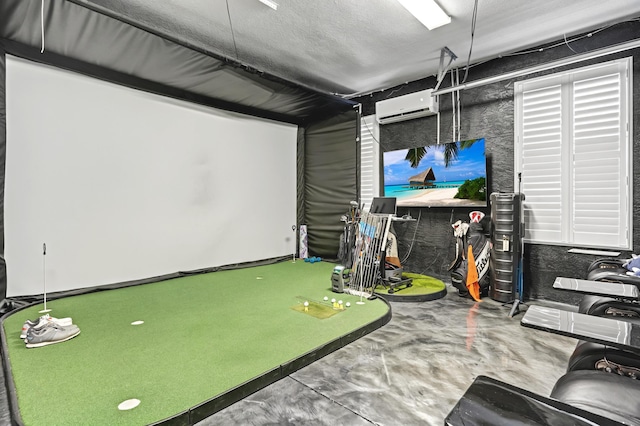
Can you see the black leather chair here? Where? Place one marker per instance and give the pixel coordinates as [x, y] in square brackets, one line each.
[573, 403]
[605, 394]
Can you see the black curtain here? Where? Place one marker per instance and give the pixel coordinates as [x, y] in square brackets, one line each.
[330, 180]
[93, 43]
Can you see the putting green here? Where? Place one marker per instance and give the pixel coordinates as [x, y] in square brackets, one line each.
[201, 336]
[420, 285]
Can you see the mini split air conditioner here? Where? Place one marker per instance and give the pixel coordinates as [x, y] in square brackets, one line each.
[413, 105]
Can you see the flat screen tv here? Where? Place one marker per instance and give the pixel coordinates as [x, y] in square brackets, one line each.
[383, 205]
[446, 175]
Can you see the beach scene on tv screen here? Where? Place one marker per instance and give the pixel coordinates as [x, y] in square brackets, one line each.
[445, 175]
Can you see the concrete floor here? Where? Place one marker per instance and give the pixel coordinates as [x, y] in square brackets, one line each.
[412, 371]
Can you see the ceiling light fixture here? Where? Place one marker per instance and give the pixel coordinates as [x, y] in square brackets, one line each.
[272, 4]
[426, 11]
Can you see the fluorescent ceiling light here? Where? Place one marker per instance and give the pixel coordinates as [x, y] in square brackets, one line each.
[272, 4]
[426, 11]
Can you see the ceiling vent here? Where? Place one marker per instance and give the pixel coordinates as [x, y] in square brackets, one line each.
[407, 107]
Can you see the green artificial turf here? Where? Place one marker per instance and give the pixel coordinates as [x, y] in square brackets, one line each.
[420, 285]
[202, 335]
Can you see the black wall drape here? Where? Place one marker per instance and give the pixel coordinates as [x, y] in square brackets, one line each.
[87, 41]
[329, 180]
[3, 156]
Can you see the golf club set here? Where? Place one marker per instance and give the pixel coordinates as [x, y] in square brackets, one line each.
[47, 330]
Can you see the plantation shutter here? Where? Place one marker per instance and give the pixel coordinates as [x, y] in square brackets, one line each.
[573, 156]
[369, 160]
[542, 162]
[599, 203]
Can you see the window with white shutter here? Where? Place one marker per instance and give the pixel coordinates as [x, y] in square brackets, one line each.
[369, 160]
[573, 156]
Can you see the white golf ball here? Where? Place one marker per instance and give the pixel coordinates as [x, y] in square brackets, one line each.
[348, 304]
[326, 298]
[306, 303]
[333, 300]
[339, 302]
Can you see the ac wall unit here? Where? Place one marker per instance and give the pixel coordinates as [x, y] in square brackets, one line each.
[413, 105]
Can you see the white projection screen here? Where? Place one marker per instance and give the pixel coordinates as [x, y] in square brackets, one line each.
[124, 185]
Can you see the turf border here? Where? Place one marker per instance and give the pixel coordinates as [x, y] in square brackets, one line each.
[414, 298]
[221, 401]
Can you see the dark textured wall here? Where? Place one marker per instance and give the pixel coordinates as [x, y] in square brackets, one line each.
[488, 112]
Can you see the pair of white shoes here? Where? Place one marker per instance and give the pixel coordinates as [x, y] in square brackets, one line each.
[41, 322]
[48, 330]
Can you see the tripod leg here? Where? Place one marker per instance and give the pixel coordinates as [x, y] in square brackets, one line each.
[514, 309]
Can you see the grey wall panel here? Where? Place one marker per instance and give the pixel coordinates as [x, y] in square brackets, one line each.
[330, 180]
[488, 112]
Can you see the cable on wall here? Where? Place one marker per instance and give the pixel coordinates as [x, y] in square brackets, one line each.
[569, 60]
[567, 43]
[413, 239]
[371, 133]
[473, 32]
[42, 25]
[453, 110]
[233, 37]
[458, 103]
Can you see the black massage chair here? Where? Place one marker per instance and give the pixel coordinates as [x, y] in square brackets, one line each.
[601, 385]
[611, 270]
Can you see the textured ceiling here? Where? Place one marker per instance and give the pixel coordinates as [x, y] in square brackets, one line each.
[351, 47]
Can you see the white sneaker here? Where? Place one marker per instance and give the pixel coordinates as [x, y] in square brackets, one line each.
[49, 334]
[42, 321]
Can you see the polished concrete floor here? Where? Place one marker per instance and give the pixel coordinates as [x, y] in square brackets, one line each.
[412, 371]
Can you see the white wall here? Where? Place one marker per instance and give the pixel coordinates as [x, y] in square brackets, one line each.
[123, 185]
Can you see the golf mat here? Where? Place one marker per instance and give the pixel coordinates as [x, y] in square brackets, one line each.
[423, 288]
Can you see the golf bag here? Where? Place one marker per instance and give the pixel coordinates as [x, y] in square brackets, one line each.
[470, 235]
[348, 236]
[347, 242]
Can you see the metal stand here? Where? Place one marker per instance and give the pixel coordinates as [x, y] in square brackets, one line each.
[371, 238]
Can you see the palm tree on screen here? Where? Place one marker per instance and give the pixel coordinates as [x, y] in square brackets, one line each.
[415, 155]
